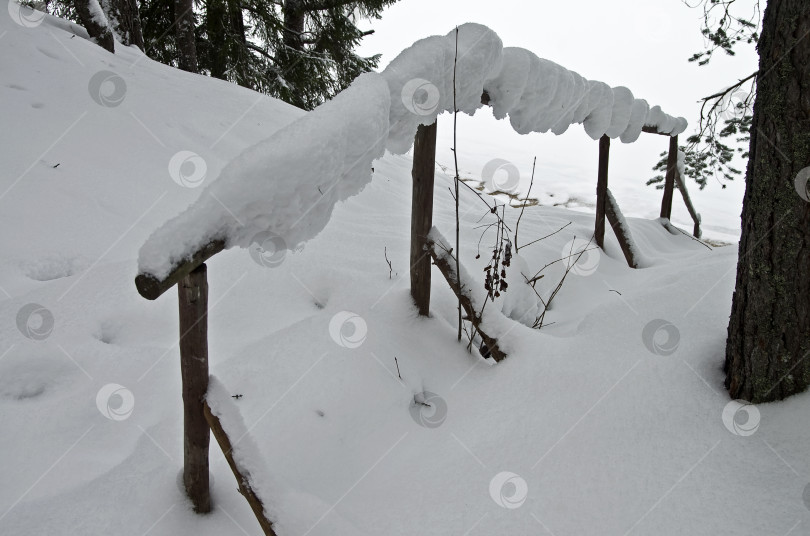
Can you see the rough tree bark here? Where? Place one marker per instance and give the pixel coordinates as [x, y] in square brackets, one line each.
[125, 21]
[93, 19]
[289, 56]
[768, 346]
[225, 25]
[294, 16]
[186, 44]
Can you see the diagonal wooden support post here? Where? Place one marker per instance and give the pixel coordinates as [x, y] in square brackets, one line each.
[622, 232]
[192, 293]
[689, 206]
[424, 166]
[442, 255]
[242, 476]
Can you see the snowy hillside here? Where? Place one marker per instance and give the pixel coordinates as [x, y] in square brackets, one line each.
[612, 419]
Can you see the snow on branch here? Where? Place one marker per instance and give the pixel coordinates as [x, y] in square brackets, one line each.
[489, 323]
[240, 451]
[287, 185]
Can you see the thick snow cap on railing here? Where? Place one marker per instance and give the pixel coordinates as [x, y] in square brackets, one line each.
[281, 191]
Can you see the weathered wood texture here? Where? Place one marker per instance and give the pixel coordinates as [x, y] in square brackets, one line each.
[151, 287]
[193, 306]
[185, 39]
[614, 216]
[669, 181]
[448, 270]
[601, 191]
[424, 166]
[241, 475]
[688, 202]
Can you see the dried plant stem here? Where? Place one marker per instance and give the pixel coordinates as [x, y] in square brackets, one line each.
[456, 179]
[523, 207]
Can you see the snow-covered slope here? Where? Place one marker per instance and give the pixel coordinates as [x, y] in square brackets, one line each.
[610, 420]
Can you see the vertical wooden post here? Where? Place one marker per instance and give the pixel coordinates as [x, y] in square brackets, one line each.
[193, 307]
[424, 166]
[601, 191]
[669, 182]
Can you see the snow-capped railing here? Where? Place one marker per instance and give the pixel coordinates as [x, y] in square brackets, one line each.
[281, 191]
[286, 186]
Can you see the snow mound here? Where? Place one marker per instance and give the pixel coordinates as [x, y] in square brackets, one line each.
[284, 188]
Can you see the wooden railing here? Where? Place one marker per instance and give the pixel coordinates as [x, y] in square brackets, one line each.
[423, 171]
[190, 276]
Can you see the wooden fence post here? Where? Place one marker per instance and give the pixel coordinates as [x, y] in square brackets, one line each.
[424, 166]
[669, 182]
[193, 307]
[601, 191]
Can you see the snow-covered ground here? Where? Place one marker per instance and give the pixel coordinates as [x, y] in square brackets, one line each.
[612, 419]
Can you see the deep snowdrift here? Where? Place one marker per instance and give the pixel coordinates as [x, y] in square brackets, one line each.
[611, 420]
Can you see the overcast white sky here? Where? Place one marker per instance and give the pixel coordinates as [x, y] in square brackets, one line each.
[641, 44]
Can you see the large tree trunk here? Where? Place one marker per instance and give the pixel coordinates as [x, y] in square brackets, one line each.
[125, 21]
[186, 44]
[293, 24]
[289, 58]
[93, 19]
[216, 30]
[225, 28]
[768, 347]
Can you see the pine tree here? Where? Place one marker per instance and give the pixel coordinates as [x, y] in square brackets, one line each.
[185, 34]
[768, 346]
[125, 21]
[92, 17]
[157, 23]
[723, 130]
[301, 51]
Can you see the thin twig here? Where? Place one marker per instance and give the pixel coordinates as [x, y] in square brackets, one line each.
[456, 181]
[390, 267]
[718, 97]
[551, 234]
[690, 236]
[539, 321]
[523, 207]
